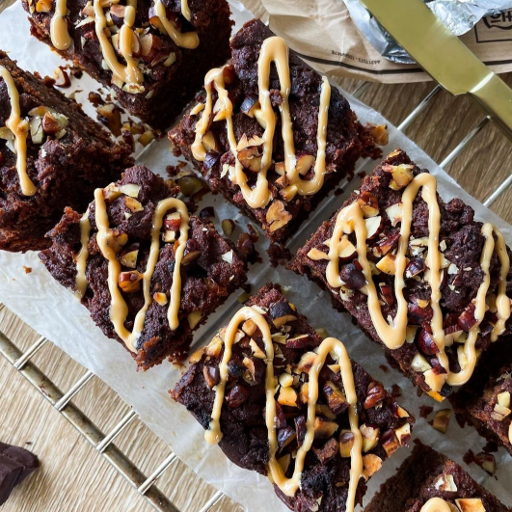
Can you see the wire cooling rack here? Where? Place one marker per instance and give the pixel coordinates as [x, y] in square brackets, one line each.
[146, 485]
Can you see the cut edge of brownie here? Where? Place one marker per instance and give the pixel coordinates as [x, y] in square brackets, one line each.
[427, 474]
[484, 401]
[64, 169]
[245, 437]
[465, 244]
[172, 86]
[210, 271]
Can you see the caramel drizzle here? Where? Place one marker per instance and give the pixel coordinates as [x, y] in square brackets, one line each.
[185, 10]
[330, 346]
[130, 74]
[436, 505]
[59, 32]
[351, 219]
[273, 50]
[118, 307]
[189, 40]
[19, 129]
[81, 261]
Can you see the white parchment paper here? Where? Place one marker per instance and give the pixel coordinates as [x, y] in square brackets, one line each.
[54, 312]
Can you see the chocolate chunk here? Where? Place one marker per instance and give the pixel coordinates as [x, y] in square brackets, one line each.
[26, 459]
[10, 472]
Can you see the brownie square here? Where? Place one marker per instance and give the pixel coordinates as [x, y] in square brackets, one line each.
[223, 135]
[244, 431]
[148, 272]
[428, 477]
[67, 155]
[173, 44]
[427, 321]
[485, 400]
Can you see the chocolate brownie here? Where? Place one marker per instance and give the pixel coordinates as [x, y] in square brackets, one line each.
[430, 482]
[51, 156]
[274, 139]
[15, 465]
[287, 404]
[485, 400]
[148, 272]
[153, 55]
[419, 275]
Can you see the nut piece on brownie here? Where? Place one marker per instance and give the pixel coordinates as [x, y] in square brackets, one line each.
[429, 482]
[148, 272]
[51, 156]
[294, 407]
[273, 143]
[485, 401]
[152, 54]
[419, 275]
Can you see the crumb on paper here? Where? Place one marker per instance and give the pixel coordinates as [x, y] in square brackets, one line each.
[27, 269]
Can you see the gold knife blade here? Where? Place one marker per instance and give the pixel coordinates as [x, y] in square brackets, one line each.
[444, 57]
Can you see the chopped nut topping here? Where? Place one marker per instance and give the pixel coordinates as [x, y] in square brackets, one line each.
[371, 464]
[442, 420]
[194, 318]
[470, 505]
[402, 175]
[277, 216]
[288, 396]
[370, 437]
[446, 483]
[130, 282]
[347, 440]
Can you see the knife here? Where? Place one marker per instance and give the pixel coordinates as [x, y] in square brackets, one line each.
[444, 57]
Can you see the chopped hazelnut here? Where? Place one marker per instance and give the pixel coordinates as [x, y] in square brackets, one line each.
[160, 298]
[375, 395]
[446, 483]
[335, 397]
[347, 439]
[470, 505]
[402, 175]
[368, 203]
[288, 396]
[371, 464]
[130, 189]
[214, 347]
[442, 420]
[370, 437]
[129, 282]
[306, 362]
[277, 216]
[61, 78]
[387, 264]
[128, 257]
[194, 318]
[325, 429]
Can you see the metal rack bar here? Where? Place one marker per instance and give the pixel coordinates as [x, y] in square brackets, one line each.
[104, 444]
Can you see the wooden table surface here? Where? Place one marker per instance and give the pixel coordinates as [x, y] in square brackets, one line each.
[73, 477]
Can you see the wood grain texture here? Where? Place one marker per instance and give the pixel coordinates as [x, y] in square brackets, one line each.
[73, 477]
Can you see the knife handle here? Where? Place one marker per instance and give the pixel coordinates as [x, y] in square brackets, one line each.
[495, 97]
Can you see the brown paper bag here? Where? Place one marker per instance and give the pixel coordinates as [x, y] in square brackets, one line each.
[322, 32]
